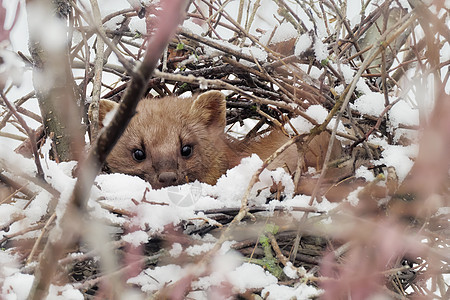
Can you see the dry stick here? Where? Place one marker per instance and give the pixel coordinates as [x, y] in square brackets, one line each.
[242, 30]
[347, 26]
[89, 33]
[39, 239]
[214, 44]
[30, 133]
[380, 117]
[21, 232]
[83, 84]
[205, 19]
[368, 21]
[13, 136]
[289, 9]
[125, 63]
[253, 209]
[218, 11]
[75, 213]
[261, 74]
[276, 249]
[241, 11]
[221, 84]
[98, 70]
[324, 18]
[256, 6]
[29, 114]
[118, 13]
[17, 103]
[70, 259]
[273, 81]
[17, 188]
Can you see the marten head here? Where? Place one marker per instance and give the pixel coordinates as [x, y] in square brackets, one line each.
[171, 141]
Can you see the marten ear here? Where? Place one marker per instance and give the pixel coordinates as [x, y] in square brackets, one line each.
[105, 106]
[210, 109]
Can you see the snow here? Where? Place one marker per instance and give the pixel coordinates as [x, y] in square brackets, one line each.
[371, 104]
[66, 292]
[17, 286]
[165, 274]
[320, 50]
[399, 157]
[138, 25]
[199, 249]
[250, 276]
[12, 66]
[365, 173]
[353, 198]
[227, 190]
[176, 250]
[284, 32]
[255, 52]
[303, 43]
[193, 27]
[157, 211]
[136, 238]
[290, 271]
[280, 292]
[403, 113]
[349, 75]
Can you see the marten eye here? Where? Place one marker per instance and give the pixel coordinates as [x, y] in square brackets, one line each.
[138, 155]
[186, 151]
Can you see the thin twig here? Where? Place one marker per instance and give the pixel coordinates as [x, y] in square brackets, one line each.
[98, 70]
[30, 133]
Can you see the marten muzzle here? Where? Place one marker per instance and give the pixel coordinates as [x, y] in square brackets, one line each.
[167, 178]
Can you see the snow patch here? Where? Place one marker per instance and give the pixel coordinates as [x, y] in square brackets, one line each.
[303, 43]
[136, 238]
[365, 173]
[176, 250]
[280, 292]
[320, 50]
[250, 276]
[403, 113]
[371, 104]
[165, 274]
[284, 32]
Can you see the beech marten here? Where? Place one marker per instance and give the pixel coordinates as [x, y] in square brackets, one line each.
[171, 141]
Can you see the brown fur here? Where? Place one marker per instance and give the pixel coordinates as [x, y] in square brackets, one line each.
[162, 127]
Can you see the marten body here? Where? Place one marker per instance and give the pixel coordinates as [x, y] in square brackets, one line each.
[173, 140]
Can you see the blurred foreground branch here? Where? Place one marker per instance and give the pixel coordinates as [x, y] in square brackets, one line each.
[73, 220]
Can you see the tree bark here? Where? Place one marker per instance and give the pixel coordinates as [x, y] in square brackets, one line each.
[53, 79]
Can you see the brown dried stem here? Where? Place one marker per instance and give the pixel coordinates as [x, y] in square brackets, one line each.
[30, 133]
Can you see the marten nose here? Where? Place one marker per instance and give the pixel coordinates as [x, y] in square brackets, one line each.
[167, 178]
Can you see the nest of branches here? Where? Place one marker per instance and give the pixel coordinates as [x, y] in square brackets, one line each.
[382, 235]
